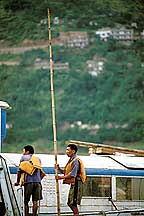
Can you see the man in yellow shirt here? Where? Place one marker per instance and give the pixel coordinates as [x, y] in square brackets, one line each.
[32, 182]
[73, 174]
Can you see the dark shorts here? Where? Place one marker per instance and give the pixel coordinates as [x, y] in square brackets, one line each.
[33, 189]
[75, 194]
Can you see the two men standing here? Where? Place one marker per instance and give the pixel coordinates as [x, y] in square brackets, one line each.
[73, 174]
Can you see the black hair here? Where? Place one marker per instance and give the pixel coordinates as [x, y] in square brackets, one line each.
[29, 148]
[73, 147]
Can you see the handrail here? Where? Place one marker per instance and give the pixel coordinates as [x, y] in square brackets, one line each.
[15, 206]
[99, 213]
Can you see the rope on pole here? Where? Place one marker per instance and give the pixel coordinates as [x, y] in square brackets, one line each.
[53, 112]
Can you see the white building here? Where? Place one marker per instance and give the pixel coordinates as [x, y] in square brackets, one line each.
[142, 34]
[56, 20]
[104, 33]
[44, 64]
[74, 39]
[121, 34]
[95, 66]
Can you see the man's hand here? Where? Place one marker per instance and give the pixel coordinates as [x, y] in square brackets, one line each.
[57, 177]
[57, 166]
[16, 184]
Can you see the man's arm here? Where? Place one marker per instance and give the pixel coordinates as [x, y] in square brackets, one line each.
[59, 177]
[59, 169]
[72, 173]
[18, 178]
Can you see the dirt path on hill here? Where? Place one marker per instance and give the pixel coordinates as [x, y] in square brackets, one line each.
[27, 46]
[17, 50]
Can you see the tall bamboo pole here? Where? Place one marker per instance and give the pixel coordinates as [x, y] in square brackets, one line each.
[53, 113]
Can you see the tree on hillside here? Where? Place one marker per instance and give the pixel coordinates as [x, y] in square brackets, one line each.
[16, 5]
[6, 23]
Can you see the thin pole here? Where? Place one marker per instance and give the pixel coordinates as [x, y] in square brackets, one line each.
[0, 130]
[53, 113]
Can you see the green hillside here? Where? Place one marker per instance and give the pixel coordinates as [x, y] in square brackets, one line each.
[107, 108]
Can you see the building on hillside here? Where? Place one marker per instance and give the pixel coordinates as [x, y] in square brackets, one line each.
[9, 63]
[44, 64]
[56, 20]
[121, 34]
[95, 66]
[104, 33]
[74, 39]
[142, 34]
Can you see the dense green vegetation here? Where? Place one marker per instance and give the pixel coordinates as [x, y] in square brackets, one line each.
[114, 98]
[21, 19]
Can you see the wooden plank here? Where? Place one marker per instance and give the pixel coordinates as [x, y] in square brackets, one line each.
[98, 148]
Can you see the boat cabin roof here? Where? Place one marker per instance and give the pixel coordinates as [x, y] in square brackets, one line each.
[91, 161]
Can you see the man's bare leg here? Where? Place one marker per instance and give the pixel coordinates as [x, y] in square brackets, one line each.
[26, 208]
[35, 208]
[74, 209]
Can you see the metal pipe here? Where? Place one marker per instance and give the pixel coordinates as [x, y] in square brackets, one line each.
[101, 213]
